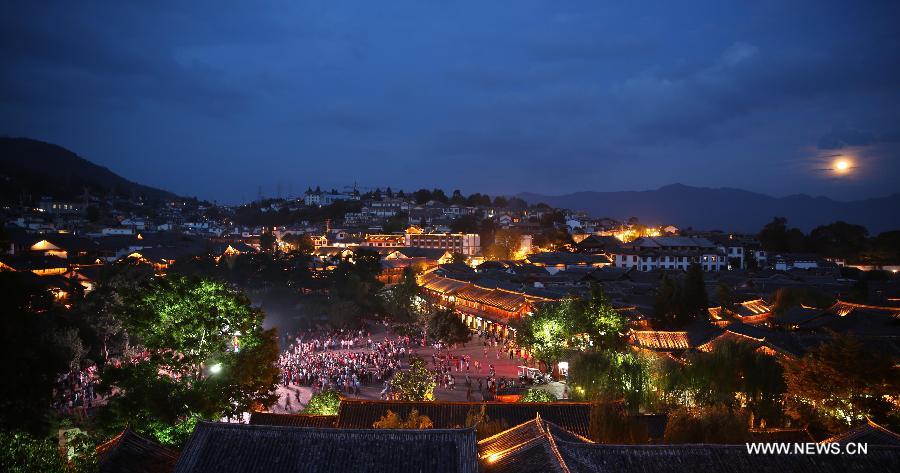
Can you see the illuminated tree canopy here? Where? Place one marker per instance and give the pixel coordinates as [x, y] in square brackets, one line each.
[184, 326]
[414, 384]
[324, 403]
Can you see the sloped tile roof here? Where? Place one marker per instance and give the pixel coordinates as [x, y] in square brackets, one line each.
[132, 453]
[293, 420]
[226, 448]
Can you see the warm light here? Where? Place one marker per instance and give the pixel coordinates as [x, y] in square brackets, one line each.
[842, 166]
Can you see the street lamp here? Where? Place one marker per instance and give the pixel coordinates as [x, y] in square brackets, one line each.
[216, 368]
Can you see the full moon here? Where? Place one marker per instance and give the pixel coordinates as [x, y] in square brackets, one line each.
[842, 166]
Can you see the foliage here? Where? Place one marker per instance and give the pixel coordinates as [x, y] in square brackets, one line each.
[185, 325]
[715, 424]
[30, 325]
[415, 383]
[302, 243]
[23, 453]
[465, 224]
[355, 280]
[677, 305]
[325, 403]
[445, 325]
[775, 236]
[393, 421]
[571, 323]
[610, 423]
[546, 332]
[484, 426]
[610, 376]
[838, 240]
[840, 383]
[400, 301]
[787, 297]
[505, 246]
[538, 395]
[733, 375]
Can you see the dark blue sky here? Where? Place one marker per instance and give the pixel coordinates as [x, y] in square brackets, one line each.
[217, 98]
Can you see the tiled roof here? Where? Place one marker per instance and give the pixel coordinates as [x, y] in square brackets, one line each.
[505, 300]
[132, 453]
[292, 420]
[510, 439]
[780, 435]
[870, 433]
[225, 448]
[443, 285]
[572, 416]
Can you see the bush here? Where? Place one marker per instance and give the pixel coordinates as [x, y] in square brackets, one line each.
[324, 403]
[538, 395]
[716, 424]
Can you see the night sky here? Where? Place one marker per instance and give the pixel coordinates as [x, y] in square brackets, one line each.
[215, 99]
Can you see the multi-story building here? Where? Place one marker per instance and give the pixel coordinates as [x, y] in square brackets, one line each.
[651, 253]
[468, 244]
[320, 198]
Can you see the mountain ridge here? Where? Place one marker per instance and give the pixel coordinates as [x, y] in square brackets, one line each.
[726, 208]
[29, 166]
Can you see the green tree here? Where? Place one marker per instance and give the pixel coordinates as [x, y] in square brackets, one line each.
[609, 376]
[538, 395]
[445, 325]
[206, 356]
[413, 421]
[840, 383]
[415, 383]
[715, 424]
[324, 403]
[23, 453]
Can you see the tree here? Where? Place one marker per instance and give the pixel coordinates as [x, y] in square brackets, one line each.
[31, 349]
[610, 423]
[422, 196]
[302, 243]
[775, 236]
[484, 426]
[400, 301]
[506, 244]
[838, 240]
[538, 395]
[23, 453]
[465, 224]
[324, 403]
[500, 201]
[413, 421]
[185, 327]
[840, 383]
[267, 240]
[457, 198]
[694, 302]
[445, 325]
[414, 384]
[546, 333]
[715, 424]
[609, 376]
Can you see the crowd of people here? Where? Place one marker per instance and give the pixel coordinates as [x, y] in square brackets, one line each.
[75, 391]
[333, 360]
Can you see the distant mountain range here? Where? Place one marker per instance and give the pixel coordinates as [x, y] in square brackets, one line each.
[727, 209]
[35, 168]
